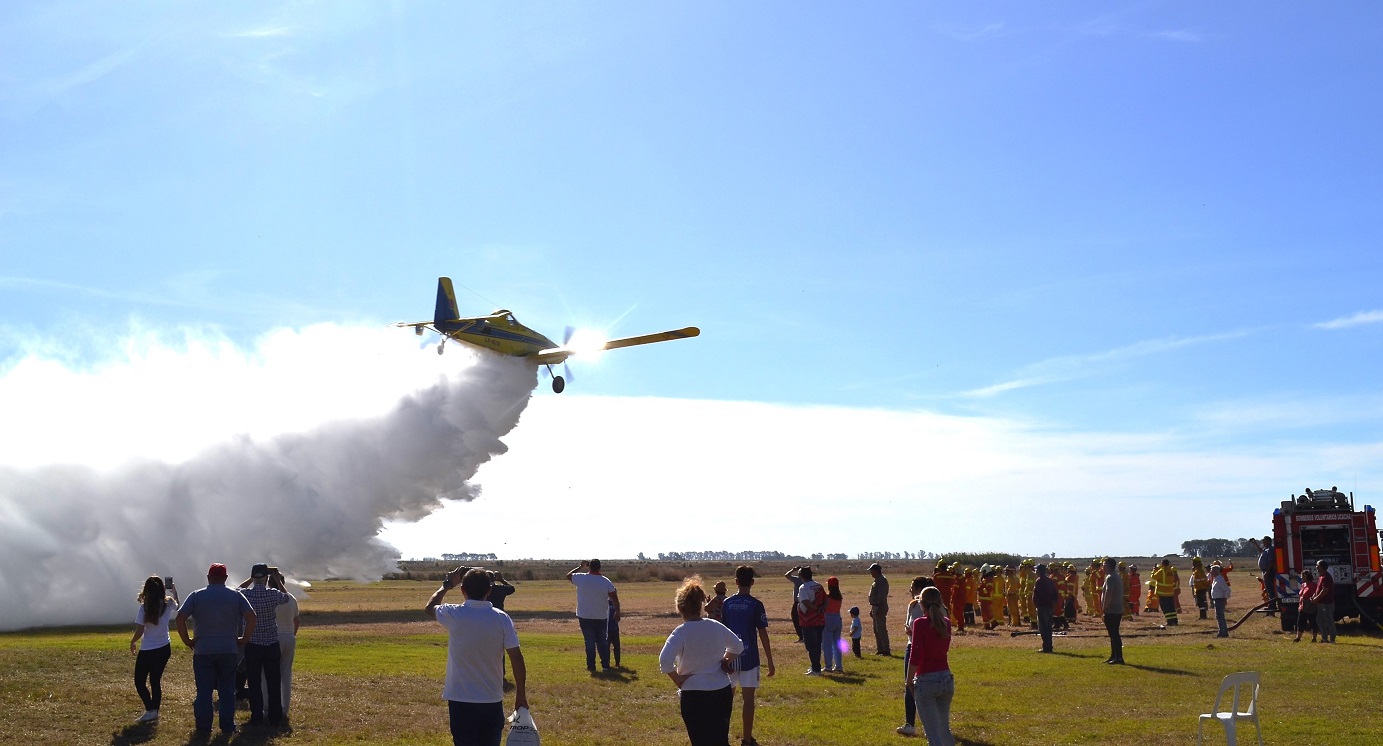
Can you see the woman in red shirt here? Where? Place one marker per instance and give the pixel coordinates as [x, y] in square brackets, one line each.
[931, 682]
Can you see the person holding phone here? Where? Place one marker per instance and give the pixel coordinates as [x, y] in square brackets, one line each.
[151, 644]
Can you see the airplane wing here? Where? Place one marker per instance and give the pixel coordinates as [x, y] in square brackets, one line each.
[690, 331]
[558, 354]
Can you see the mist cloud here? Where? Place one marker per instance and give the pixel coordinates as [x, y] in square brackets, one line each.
[76, 540]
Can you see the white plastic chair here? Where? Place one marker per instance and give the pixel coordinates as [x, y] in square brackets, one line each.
[1246, 681]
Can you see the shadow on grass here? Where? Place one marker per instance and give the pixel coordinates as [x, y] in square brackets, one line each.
[854, 679]
[618, 674]
[963, 741]
[132, 734]
[1155, 669]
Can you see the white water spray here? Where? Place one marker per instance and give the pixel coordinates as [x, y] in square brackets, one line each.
[77, 540]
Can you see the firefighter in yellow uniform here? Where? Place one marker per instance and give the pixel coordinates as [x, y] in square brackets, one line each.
[1063, 591]
[1098, 586]
[1025, 583]
[983, 595]
[997, 595]
[1011, 594]
[1133, 589]
[972, 594]
[1123, 577]
[1087, 590]
[1072, 583]
[1165, 582]
[1200, 585]
[945, 581]
[1176, 582]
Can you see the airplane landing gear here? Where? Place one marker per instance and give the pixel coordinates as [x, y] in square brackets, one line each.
[558, 384]
[441, 347]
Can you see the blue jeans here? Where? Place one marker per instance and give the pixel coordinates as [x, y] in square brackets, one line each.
[475, 723]
[1220, 615]
[811, 636]
[909, 704]
[595, 631]
[1044, 627]
[830, 641]
[214, 672]
[933, 693]
[1325, 621]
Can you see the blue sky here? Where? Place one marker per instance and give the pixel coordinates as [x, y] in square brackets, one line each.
[1150, 228]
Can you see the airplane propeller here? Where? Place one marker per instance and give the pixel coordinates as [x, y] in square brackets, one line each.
[560, 382]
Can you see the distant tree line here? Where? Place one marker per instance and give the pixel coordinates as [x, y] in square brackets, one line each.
[723, 556]
[1219, 548]
[469, 557]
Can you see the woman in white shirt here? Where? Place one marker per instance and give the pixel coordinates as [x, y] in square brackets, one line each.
[150, 643]
[1219, 596]
[696, 657]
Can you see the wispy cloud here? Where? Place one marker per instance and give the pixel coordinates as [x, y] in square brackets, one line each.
[970, 33]
[1358, 319]
[1182, 35]
[1070, 367]
[88, 74]
[263, 32]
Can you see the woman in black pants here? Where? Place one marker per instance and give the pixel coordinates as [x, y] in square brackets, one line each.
[150, 643]
[696, 657]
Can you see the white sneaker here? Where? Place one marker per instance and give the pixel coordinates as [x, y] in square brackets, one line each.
[813, 673]
[907, 730]
[148, 716]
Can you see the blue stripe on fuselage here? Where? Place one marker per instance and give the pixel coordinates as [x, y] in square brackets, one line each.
[487, 329]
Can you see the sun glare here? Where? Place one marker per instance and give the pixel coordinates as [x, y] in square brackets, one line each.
[588, 343]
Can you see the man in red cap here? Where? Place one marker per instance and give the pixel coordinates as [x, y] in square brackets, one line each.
[217, 613]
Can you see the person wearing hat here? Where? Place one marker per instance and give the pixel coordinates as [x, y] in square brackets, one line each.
[263, 656]
[217, 613]
[1200, 585]
[878, 609]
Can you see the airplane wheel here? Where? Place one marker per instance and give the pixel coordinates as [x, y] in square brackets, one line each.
[558, 384]
[439, 349]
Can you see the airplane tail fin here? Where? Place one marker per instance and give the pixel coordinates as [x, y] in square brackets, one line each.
[446, 302]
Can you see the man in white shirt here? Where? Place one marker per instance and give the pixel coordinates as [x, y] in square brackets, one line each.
[476, 633]
[594, 596]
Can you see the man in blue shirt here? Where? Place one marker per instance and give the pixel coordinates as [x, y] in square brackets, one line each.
[217, 613]
[746, 617]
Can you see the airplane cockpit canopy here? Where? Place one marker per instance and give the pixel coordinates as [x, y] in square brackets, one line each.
[506, 315]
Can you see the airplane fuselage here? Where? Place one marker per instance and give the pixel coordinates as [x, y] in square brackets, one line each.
[498, 331]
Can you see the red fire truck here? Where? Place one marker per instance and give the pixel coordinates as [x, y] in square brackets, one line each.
[1323, 525]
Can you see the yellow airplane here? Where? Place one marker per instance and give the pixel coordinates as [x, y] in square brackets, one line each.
[502, 333]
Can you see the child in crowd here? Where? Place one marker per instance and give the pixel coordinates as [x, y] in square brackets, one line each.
[714, 606]
[856, 630]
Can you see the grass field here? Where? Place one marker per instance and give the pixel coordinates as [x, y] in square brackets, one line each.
[370, 667]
